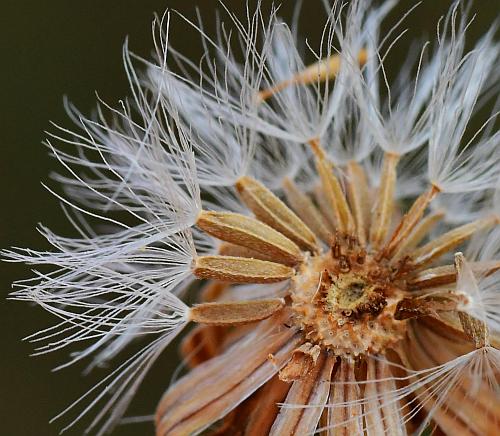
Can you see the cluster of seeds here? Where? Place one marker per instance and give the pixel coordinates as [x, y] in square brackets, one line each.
[321, 219]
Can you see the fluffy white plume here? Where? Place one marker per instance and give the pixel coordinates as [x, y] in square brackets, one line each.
[108, 290]
[456, 165]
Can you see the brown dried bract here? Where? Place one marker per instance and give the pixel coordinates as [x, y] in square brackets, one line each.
[302, 362]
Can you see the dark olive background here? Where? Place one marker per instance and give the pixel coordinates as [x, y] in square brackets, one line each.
[60, 47]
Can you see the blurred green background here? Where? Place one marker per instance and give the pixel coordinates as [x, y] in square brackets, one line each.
[60, 47]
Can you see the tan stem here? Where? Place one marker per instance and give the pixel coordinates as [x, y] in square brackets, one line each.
[420, 231]
[382, 213]
[306, 210]
[359, 199]
[382, 414]
[311, 389]
[470, 406]
[333, 191]
[409, 221]
[324, 208]
[263, 407]
[416, 352]
[269, 92]
[201, 344]
[321, 71]
[212, 291]
[212, 389]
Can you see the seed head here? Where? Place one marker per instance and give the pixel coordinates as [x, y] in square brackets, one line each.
[321, 218]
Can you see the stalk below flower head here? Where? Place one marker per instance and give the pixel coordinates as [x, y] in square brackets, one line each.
[323, 221]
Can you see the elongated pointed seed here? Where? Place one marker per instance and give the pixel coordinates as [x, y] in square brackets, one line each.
[359, 199]
[271, 210]
[240, 270]
[409, 221]
[306, 210]
[321, 71]
[435, 248]
[446, 274]
[238, 312]
[250, 233]
[333, 191]
[324, 207]
[420, 231]
[382, 213]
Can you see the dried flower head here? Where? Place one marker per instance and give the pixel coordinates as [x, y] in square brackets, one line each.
[323, 219]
